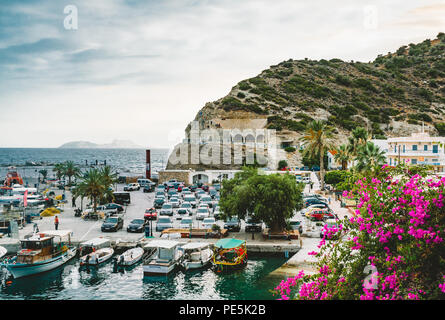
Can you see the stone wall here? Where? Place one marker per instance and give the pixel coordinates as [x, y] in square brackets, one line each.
[180, 175]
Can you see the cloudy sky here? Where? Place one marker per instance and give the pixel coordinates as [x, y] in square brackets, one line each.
[141, 69]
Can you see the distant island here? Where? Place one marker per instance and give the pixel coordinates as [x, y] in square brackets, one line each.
[115, 144]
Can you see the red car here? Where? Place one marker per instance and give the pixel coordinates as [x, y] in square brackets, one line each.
[205, 188]
[180, 187]
[151, 214]
[318, 214]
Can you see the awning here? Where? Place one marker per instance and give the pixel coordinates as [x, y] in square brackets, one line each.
[229, 243]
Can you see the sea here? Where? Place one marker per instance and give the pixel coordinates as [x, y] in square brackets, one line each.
[127, 162]
[72, 282]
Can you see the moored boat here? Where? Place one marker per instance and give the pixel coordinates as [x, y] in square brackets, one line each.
[164, 260]
[130, 257]
[229, 254]
[97, 257]
[195, 255]
[40, 253]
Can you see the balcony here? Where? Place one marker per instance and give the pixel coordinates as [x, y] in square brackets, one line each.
[418, 153]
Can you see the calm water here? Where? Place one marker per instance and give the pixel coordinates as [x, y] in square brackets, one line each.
[125, 161]
[70, 282]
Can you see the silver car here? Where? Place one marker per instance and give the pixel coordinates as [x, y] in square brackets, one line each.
[175, 202]
[164, 223]
[166, 210]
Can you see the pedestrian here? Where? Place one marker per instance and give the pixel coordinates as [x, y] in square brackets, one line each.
[311, 184]
[73, 202]
[56, 222]
[329, 200]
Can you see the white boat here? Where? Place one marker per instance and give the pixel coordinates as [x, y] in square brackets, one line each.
[130, 257]
[196, 255]
[40, 253]
[97, 257]
[164, 260]
[3, 251]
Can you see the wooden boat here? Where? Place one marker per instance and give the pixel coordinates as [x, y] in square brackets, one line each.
[12, 177]
[89, 246]
[164, 260]
[97, 257]
[130, 257]
[229, 254]
[196, 255]
[40, 253]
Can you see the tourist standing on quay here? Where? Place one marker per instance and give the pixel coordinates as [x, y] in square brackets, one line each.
[56, 222]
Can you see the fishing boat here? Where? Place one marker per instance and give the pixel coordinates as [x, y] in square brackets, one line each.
[229, 254]
[97, 257]
[129, 257]
[41, 252]
[196, 255]
[12, 177]
[164, 260]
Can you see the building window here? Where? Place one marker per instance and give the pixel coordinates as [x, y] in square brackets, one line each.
[413, 161]
[403, 148]
[414, 147]
[425, 147]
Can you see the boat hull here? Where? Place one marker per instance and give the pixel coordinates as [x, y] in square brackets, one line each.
[99, 260]
[24, 270]
[157, 270]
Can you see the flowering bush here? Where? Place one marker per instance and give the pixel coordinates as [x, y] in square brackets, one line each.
[397, 233]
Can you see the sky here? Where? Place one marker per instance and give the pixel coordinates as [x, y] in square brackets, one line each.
[141, 70]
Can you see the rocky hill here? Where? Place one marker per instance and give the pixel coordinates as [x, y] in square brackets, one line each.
[391, 96]
[115, 144]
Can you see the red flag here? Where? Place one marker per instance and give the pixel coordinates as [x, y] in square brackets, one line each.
[25, 199]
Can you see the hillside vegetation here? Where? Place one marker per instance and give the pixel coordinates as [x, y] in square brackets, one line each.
[388, 95]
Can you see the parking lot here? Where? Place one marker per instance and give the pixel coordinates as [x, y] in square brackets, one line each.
[140, 201]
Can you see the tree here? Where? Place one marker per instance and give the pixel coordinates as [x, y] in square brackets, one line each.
[360, 137]
[269, 198]
[370, 157]
[92, 186]
[318, 140]
[71, 170]
[343, 155]
[59, 169]
[396, 233]
[44, 174]
[282, 164]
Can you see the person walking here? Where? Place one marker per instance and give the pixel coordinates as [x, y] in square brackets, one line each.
[56, 222]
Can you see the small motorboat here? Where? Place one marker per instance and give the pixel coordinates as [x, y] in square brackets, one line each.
[165, 258]
[129, 257]
[97, 257]
[3, 251]
[196, 255]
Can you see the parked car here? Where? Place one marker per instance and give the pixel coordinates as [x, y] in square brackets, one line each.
[146, 182]
[217, 212]
[150, 214]
[164, 223]
[166, 210]
[253, 225]
[174, 202]
[110, 206]
[202, 213]
[207, 223]
[316, 214]
[148, 188]
[132, 187]
[171, 193]
[136, 225]
[191, 200]
[206, 200]
[205, 187]
[186, 223]
[217, 186]
[296, 224]
[233, 224]
[213, 192]
[329, 224]
[185, 208]
[158, 203]
[305, 168]
[107, 211]
[112, 224]
[122, 198]
[310, 201]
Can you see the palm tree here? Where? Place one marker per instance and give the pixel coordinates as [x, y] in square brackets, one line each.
[44, 174]
[109, 179]
[360, 137]
[59, 169]
[370, 157]
[71, 170]
[318, 139]
[343, 156]
[92, 186]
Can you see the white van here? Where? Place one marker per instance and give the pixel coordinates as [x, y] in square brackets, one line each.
[145, 182]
